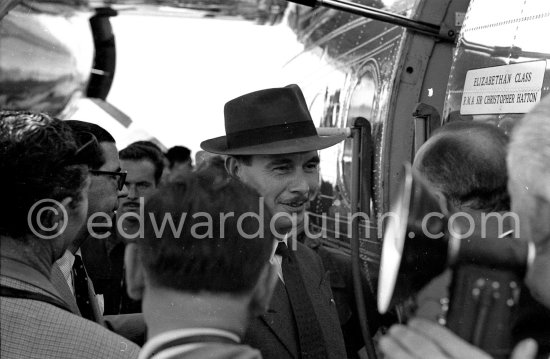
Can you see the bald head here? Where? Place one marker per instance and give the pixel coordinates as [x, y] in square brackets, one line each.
[466, 162]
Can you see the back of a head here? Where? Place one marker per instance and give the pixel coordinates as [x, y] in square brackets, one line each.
[216, 164]
[178, 154]
[148, 144]
[37, 161]
[138, 151]
[216, 245]
[466, 161]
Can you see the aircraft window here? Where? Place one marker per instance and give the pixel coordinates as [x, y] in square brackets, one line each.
[362, 104]
[325, 111]
[316, 109]
[493, 42]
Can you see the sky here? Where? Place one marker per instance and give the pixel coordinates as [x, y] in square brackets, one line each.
[174, 74]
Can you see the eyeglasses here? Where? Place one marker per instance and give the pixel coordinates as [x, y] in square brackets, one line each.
[120, 176]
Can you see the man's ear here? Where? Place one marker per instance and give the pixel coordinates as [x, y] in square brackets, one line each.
[232, 166]
[262, 292]
[55, 219]
[67, 204]
[135, 276]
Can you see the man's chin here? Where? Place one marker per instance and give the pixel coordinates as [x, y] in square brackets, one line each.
[289, 222]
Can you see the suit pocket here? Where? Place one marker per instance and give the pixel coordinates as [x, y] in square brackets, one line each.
[337, 297]
[324, 287]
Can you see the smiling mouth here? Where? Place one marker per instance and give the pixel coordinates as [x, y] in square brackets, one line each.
[295, 204]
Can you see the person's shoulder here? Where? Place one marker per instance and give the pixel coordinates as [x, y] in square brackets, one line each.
[67, 335]
[332, 258]
[93, 336]
[309, 258]
[93, 340]
[305, 251]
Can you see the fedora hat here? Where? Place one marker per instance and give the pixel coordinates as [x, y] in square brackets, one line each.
[269, 122]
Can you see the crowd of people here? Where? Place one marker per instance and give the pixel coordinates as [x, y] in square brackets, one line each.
[140, 254]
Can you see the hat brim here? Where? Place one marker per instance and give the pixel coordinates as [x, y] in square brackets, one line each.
[218, 145]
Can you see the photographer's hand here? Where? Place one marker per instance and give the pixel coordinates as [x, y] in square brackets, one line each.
[422, 339]
[526, 349]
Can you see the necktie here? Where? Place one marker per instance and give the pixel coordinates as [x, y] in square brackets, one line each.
[81, 293]
[310, 336]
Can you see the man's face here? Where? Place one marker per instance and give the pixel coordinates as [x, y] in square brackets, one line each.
[103, 194]
[286, 182]
[140, 181]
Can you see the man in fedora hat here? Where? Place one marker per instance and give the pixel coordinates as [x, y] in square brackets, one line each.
[271, 144]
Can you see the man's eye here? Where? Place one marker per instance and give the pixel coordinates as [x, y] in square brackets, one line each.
[281, 168]
[312, 166]
[143, 185]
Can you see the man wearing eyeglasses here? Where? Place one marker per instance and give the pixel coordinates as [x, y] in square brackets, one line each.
[69, 274]
[104, 259]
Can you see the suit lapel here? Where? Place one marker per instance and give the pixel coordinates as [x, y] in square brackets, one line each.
[279, 317]
[60, 284]
[312, 280]
[318, 287]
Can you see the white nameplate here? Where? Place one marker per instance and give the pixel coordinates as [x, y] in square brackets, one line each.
[503, 89]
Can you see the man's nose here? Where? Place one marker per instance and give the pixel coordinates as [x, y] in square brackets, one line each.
[299, 184]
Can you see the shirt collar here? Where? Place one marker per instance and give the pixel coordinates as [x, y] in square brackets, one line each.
[170, 335]
[67, 260]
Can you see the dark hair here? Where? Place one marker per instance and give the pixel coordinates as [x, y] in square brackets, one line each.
[215, 164]
[224, 261]
[99, 132]
[37, 161]
[466, 160]
[82, 130]
[139, 151]
[148, 144]
[178, 154]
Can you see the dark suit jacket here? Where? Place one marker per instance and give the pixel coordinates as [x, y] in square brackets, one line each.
[104, 262]
[275, 333]
[341, 283]
[338, 264]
